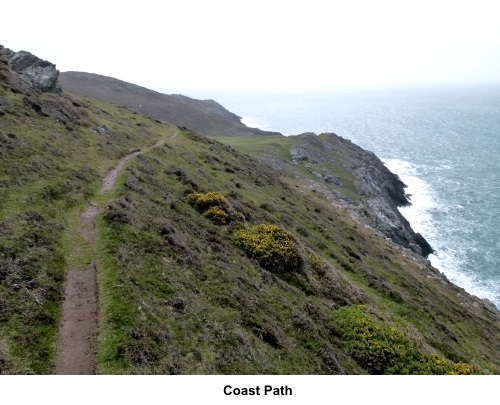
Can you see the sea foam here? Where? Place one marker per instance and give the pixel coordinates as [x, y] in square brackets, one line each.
[451, 255]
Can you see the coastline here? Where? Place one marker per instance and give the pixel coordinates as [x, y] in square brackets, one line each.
[445, 258]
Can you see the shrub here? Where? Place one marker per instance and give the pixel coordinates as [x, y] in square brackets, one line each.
[316, 262]
[382, 349]
[273, 247]
[203, 201]
[213, 205]
[217, 215]
[192, 198]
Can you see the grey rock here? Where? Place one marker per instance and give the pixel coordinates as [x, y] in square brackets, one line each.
[39, 73]
[333, 180]
[381, 191]
[298, 156]
[490, 306]
[5, 103]
[103, 130]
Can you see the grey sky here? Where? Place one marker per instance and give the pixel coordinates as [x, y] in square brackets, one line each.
[176, 46]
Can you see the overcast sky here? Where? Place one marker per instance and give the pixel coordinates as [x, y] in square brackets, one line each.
[282, 46]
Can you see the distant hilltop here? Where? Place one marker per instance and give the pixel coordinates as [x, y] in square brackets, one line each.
[206, 117]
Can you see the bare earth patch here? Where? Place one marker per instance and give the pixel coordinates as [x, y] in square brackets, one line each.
[77, 334]
[109, 181]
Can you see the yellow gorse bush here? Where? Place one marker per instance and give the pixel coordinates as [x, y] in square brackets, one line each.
[264, 240]
[213, 205]
[217, 215]
[273, 247]
[383, 349]
[203, 201]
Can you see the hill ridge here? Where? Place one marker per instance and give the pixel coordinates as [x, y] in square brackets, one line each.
[204, 116]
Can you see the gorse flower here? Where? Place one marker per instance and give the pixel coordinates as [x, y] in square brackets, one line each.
[273, 247]
[203, 201]
[217, 215]
[264, 240]
[383, 349]
[213, 206]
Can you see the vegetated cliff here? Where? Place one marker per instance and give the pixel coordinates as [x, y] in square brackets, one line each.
[212, 261]
[347, 175]
[204, 116]
[380, 191]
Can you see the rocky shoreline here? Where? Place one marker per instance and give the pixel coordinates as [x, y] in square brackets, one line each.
[381, 192]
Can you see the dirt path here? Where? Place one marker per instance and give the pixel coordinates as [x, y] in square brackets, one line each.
[77, 339]
[109, 181]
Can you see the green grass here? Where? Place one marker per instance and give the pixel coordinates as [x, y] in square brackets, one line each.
[176, 295]
[192, 303]
[49, 173]
[276, 152]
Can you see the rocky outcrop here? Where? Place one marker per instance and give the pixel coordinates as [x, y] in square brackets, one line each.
[381, 191]
[36, 72]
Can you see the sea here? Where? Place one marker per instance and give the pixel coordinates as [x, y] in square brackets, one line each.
[444, 143]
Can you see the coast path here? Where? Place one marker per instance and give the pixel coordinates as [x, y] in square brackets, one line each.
[77, 337]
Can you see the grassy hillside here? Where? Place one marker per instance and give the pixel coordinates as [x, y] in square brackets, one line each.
[180, 295]
[212, 258]
[204, 116]
[53, 152]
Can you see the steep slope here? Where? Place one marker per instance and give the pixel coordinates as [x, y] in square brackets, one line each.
[183, 293]
[343, 173]
[53, 151]
[204, 116]
[212, 261]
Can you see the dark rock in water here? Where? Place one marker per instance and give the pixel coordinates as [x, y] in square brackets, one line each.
[39, 73]
[426, 247]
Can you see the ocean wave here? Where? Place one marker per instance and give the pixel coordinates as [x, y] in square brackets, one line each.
[435, 220]
[421, 195]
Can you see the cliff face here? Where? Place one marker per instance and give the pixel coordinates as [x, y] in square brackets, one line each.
[381, 192]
